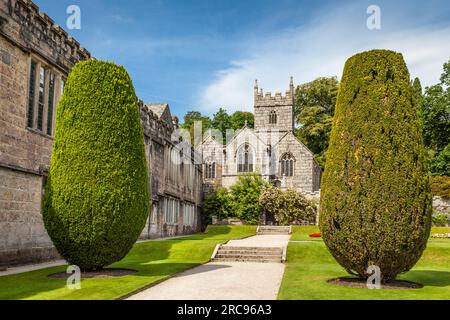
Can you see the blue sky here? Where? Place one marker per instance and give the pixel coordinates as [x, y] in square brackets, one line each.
[202, 55]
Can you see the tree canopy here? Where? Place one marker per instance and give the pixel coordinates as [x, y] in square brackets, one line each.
[314, 110]
[435, 114]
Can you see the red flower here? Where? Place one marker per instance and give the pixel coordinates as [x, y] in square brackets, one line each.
[315, 235]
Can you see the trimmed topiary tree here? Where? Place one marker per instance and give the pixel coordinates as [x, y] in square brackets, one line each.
[96, 198]
[375, 204]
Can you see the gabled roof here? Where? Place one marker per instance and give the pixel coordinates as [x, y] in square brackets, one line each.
[162, 110]
[244, 129]
[291, 134]
[209, 137]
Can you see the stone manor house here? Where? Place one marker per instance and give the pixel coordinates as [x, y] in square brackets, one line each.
[36, 57]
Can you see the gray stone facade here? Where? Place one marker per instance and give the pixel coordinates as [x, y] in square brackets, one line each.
[27, 35]
[270, 149]
[35, 58]
[174, 175]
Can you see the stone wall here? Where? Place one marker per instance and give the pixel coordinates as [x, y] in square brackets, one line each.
[161, 141]
[23, 235]
[441, 205]
[26, 34]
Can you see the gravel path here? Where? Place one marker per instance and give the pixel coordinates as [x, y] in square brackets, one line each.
[225, 280]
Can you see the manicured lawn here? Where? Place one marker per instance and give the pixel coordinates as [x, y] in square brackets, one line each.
[154, 260]
[310, 265]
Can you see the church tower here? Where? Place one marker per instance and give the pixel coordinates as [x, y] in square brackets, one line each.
[274, 113]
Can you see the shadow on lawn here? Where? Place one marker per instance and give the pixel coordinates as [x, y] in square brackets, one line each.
[431, 278]
[155, 260]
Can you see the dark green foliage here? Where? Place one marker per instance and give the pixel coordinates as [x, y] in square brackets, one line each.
[440, 163]
[218, 203]
[314, 110]
[240, 118]
[189, 124]
[441, 219]
[221, 122]
[97, 200]
[288, 206]
[245, 194]
[375, 203]
[435, 115]
[440, 186]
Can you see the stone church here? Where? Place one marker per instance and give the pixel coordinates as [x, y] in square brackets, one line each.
[270, 149]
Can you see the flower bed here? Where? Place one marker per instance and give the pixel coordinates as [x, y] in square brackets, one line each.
[315, 235]
[441, 235]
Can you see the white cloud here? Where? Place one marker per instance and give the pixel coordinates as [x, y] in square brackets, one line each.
[321, 49]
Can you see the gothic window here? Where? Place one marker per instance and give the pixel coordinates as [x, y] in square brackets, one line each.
[171, 210]
[41, 100]
[287, 165]
[31, 95]
[245, 159]
[189, 214]
[51, 98]
[272, 117]
[210, 170]
[42, 96]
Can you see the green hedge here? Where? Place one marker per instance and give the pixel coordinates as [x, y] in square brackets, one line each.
[96, 198]
[375, 199]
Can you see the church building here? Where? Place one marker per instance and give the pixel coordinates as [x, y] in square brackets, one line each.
[270, 149]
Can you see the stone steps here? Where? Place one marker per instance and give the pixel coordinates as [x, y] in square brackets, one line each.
[272, 230]
[248, 260]
[248, 254]
[251, 252]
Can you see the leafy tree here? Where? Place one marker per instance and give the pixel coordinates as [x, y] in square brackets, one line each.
[189, 123]
[436, 117]
[440, 164]
[436, 123]
[375, 206]
[218, 203]
[240, 118]
[314, 110]
[287, 207]
[221, 121]
[245, 195]
[97, 200]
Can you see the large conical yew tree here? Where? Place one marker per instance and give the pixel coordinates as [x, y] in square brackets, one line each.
[96, 199]
[375, 200]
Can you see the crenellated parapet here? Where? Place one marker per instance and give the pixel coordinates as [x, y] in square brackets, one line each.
[153, 125]
[22, 23]
[266, 99]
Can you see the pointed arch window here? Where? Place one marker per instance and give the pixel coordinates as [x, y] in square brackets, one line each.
[210, 170]
[272, 117]
[245, 159]
[287, 165]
